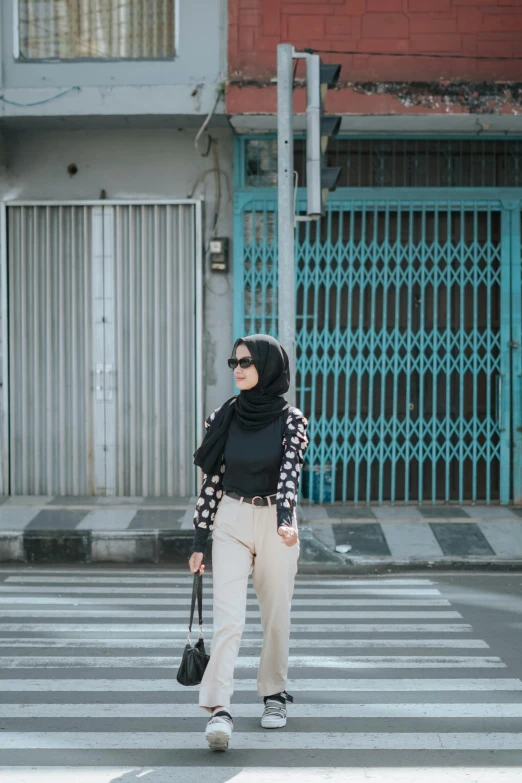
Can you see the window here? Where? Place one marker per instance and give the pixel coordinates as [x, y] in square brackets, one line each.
[412, 163]
[96, 29]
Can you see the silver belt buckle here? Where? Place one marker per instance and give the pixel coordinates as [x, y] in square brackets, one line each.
[255, 498]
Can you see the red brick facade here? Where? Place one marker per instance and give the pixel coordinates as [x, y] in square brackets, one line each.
[444, 27]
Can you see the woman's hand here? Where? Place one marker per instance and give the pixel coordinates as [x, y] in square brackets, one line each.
[288, 534]
[195, 562]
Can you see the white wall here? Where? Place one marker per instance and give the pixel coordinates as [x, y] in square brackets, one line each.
[201, 56]
[137, 164]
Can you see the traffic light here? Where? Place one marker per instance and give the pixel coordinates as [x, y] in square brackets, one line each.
[319, 178]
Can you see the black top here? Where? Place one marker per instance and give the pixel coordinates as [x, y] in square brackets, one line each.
[253, 458]
[294, 442]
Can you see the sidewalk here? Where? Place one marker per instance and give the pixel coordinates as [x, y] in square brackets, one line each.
[38, 529]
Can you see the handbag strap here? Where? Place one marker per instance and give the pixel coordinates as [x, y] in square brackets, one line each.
[197, 591]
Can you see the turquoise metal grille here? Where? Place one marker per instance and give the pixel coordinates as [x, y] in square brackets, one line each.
[399, 350]
[477, 163]
[256, 278]
[402, 367]
[513, 229]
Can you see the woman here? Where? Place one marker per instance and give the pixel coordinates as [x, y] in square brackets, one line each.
[251, 457]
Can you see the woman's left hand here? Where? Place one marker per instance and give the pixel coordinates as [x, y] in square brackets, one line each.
[288, 534]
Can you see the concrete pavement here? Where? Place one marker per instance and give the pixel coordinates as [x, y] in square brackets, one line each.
[334, 537]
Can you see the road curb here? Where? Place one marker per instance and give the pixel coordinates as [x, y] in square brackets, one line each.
[166, 546]
[86, 546]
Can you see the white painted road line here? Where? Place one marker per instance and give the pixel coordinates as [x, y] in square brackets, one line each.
[271, 741]
[171, 628]
[88, 590]
[151, 578]
[55, 601]
[146, 613]
[368, 711]
[160, 643]
[299, 686]
[252, 662]
[269, 774]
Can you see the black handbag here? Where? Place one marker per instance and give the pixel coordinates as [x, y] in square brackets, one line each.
[195, 659]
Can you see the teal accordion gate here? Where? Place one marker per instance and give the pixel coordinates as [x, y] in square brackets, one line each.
[408, 342]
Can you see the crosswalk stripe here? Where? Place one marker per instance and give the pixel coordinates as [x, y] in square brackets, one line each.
[257, 774]
[171, 628]
[252, 662]
[147, 577]
[336, 615]
[381, 710]
[299, 686]
[272, 741]
[154, 644]
[72, 638]
[153, 601]
[187, 591]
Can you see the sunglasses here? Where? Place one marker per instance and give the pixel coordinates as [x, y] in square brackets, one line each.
[244, 363]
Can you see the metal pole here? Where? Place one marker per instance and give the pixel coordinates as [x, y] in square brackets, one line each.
[285, 205]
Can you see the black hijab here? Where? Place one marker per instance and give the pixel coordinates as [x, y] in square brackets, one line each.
[255, 408]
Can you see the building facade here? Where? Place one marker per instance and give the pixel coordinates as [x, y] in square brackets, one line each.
[132, 133]
[408, 290]
[110, 337]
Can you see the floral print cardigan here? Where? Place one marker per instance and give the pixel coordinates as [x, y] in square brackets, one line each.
[295, 441]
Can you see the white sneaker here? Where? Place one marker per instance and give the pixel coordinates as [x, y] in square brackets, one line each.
[274, 716]
[219, 730]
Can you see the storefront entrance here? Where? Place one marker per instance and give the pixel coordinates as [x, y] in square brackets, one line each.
[408, 338]
[101, 380]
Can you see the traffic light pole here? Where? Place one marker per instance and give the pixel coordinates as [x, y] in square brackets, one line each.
[285, 206]
[320, 179]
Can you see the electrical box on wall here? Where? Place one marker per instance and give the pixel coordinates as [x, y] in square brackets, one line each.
[219, 254]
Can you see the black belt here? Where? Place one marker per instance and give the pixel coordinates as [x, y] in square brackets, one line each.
[257, 500]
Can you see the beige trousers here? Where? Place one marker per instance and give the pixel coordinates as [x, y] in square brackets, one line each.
[245, 541]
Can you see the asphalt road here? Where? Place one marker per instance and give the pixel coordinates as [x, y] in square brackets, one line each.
[396, 677]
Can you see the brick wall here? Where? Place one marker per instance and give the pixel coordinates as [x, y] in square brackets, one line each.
[470, 27]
